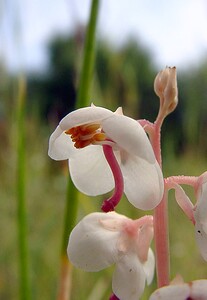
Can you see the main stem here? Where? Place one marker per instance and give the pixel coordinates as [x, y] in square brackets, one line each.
[161, 222]
[161, 242]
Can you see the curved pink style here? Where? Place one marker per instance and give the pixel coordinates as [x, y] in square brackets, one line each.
[111, 203]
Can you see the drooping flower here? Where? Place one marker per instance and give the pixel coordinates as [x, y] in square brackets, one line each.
[195, 290]
[196, 213]
[81, 137]
[200, 215]
[102, 239]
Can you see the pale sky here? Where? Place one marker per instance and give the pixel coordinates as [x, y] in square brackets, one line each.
[174, 31]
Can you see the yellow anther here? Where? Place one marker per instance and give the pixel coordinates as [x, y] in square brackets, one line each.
[85, 135]
[99, 137]
[86, 129]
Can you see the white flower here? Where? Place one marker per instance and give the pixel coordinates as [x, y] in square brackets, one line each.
[102, 239]
[200, 215]
[195, 290]
[80, 137]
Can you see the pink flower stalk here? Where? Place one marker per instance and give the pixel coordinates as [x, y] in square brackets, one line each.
[165, 86]
[81, 136]
[102, 239]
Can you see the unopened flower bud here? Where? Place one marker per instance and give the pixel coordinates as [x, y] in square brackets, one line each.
[165, 86]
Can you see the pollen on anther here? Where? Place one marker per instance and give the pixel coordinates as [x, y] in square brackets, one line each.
[81, 144]
[87, 129]
[73, 131]
[99, 137]
[85, 135]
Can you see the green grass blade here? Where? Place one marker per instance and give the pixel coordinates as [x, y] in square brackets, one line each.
[83, 95]
[21, 205]
[86, 76]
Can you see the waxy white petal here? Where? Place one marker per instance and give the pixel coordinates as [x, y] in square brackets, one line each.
[201, 239]
[199, 289]
[91, 246]
[201, 205]
[171, 292]
[85, 115]
[60, 145]
[90, 171]
[200, 216]
[196, 290]
[129, 278]
[149, 267]
[129, 135]
[143, 182]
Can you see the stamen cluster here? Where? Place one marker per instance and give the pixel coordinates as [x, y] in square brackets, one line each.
[85, 135]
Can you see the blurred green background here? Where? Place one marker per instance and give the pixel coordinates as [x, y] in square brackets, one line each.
[123, 76]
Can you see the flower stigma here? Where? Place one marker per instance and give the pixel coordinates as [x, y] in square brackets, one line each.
[86, 134]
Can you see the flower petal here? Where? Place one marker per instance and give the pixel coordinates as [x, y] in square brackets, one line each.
[196, 290]
[145, 236]
[85, 115]
[143, 182]
[201, 239]
[128, 278]
[199, 289]
[201, 205]
[200, 216]
[129, 135]
[172, 292]
[149, 267]
[90, 171]
[60, 145]
[92, 247]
